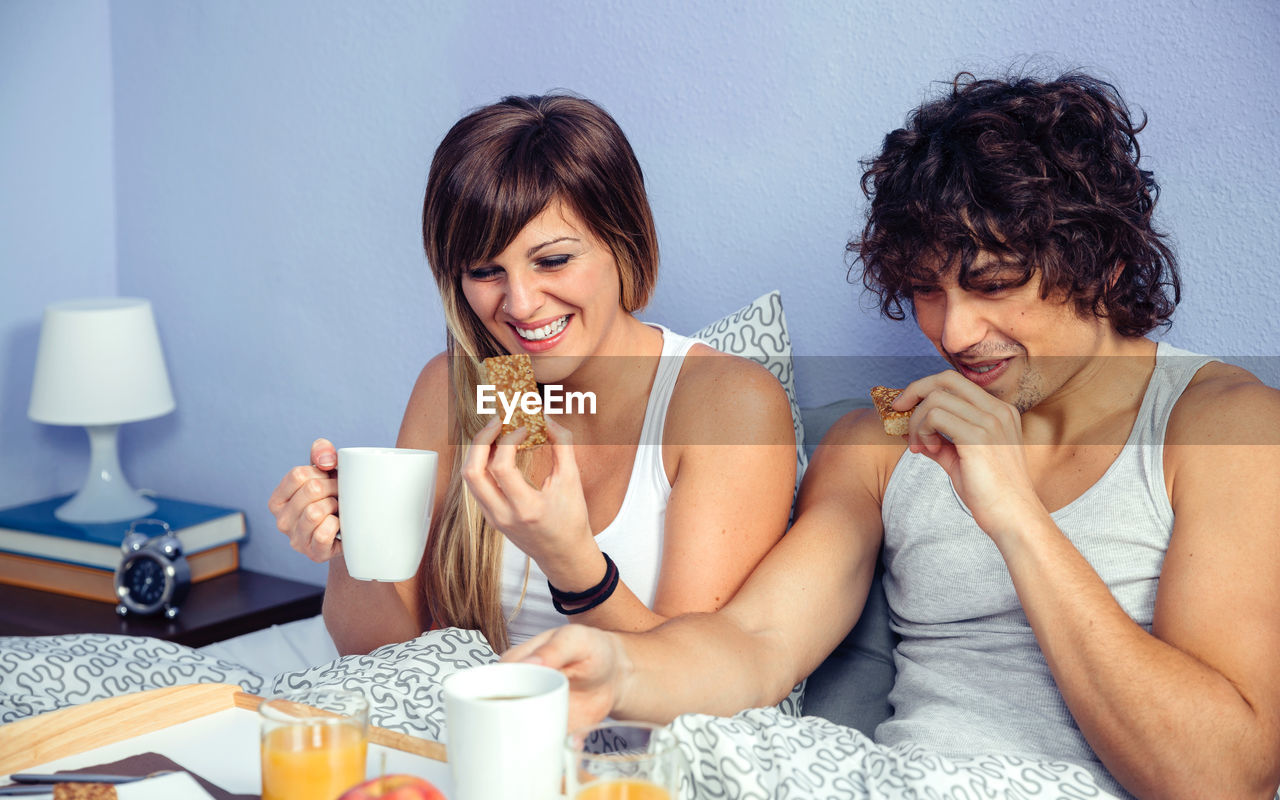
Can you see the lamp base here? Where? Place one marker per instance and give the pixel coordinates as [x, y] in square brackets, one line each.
[106, 496]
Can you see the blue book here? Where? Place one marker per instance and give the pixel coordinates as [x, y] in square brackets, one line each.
[33, 530]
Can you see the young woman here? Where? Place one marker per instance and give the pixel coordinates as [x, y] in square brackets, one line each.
[539, 234]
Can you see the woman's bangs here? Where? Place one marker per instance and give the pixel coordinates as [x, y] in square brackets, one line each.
[487, 218]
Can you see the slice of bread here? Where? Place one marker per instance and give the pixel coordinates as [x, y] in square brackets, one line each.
[895, 422]
[512, 376]
[84, 791]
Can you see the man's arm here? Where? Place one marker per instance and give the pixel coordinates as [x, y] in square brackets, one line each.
[794, 609]
[1196, 703]
[1193, 708]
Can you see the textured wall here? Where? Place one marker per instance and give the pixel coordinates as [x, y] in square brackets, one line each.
[268, 162]
[57, 214]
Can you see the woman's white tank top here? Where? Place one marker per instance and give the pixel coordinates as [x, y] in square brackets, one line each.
[633, 539]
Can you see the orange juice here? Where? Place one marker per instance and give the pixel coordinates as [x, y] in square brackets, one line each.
[312, 762]
[621, 789]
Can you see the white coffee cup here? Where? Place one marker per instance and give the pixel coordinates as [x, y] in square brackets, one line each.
[384, 508]
[505, 726]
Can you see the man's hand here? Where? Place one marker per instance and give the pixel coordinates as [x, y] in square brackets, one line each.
[593, 660]
[977, 440]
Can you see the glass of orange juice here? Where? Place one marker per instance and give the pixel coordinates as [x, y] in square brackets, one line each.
[623, 761]
[314, 743]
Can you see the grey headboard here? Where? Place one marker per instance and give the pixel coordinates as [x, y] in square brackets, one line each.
[851, 687]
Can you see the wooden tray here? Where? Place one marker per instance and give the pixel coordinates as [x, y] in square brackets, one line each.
[70, 731]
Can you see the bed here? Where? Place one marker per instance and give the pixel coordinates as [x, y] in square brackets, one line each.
[814, 745]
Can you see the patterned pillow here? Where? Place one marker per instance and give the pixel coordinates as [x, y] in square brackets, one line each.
[402, 682]
[45, 673]
[758, 331]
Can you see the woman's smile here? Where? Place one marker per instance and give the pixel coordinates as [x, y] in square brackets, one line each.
[538, 338]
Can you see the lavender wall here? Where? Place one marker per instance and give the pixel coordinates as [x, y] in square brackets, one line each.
[256, 170]
[57, 214]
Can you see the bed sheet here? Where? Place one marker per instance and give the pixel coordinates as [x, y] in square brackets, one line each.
[759, 753]
[272, 651]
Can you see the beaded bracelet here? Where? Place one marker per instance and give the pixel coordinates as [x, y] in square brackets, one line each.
[590, 598]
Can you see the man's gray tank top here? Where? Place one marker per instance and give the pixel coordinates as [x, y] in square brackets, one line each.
[970, 676]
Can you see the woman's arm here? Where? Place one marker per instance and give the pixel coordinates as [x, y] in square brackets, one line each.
[730, 453]
[364, 615]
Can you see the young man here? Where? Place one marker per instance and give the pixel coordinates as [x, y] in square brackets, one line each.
[1082, 530]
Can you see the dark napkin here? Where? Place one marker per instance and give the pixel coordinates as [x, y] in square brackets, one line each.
[147, 763]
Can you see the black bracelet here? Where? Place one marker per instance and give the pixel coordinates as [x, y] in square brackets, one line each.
[590, 598]
[578, 597]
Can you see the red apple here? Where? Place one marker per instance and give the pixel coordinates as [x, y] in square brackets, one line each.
[394, 787]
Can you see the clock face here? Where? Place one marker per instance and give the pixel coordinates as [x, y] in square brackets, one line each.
[145, 578]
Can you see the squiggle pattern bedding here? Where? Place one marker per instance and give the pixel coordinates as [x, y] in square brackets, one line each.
[402, 681]
[45, 673]
[758, 754]
[763, 754]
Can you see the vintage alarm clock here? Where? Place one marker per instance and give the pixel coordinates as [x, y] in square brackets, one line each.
[153, 575]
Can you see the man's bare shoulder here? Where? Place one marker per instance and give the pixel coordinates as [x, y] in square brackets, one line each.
[862, 426]
[1225, 404]
[855, 454]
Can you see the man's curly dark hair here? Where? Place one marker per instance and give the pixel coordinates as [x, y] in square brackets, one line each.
[1044, 176]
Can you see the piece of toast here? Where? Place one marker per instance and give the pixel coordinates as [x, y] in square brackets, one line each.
[512, 376]
[84, 791]
[895, 422]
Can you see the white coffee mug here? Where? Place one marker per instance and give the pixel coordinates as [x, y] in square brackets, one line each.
[384, 509]
[505, 727]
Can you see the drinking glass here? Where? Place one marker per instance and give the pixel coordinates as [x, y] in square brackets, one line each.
[623, 761]
[314, 744]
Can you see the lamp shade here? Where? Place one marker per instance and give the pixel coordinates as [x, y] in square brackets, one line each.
[99, 363]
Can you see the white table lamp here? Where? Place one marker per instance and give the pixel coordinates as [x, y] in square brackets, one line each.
[99, 365]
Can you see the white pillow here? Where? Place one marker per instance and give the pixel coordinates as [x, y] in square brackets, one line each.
[758, 331]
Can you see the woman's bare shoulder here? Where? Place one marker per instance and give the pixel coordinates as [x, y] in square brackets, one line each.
[738, 399]
[429, 410]
[707, 370]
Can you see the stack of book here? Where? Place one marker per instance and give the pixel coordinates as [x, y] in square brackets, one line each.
[40, 551]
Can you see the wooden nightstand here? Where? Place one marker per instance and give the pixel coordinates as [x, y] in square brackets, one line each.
[216, 609]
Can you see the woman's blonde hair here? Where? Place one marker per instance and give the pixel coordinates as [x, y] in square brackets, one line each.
[496, 169]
